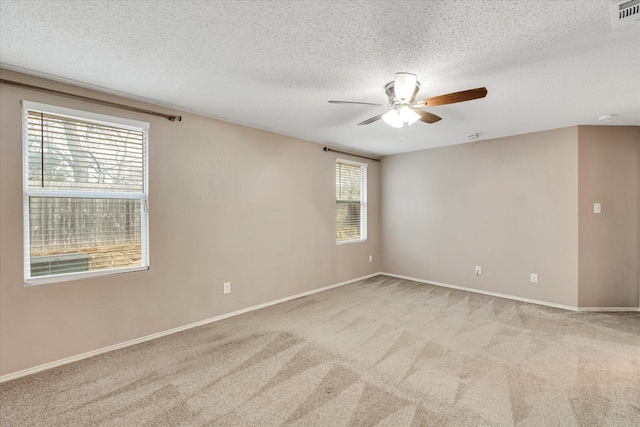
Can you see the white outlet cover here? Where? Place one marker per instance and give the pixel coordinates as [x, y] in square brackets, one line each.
[534, 278]
[227, 287]
[597, 208]
[478, 270]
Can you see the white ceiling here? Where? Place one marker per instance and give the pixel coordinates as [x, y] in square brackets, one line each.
[274, 64]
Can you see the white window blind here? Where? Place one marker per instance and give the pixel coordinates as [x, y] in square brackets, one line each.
[351, 212]
[85, 191]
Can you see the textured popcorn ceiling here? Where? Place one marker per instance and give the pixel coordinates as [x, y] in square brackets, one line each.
[275, 64]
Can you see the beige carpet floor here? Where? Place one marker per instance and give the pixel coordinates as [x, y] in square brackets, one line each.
[380, 352]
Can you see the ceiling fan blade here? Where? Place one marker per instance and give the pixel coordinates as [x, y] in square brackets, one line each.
[371, 120]
[361, 103]
[427, 117]
[452, 98]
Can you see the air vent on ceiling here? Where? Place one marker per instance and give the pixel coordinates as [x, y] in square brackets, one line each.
[624, 13]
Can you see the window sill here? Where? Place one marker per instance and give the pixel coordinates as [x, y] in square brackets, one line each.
[344, 242]
[78, 276]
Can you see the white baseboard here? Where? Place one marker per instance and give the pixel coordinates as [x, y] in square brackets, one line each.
[516, 298]
[609, 309]
[92, 353]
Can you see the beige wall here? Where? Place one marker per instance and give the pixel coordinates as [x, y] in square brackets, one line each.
[227, 203]
[609, 166]
[517, 206]
[509, 205]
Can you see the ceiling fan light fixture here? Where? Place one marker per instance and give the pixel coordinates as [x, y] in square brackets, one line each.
[397, 117]
[392, 118]
[408, 115]
[404, 86]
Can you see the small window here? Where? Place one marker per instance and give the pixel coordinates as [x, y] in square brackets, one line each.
[85, 194]
[351, 201]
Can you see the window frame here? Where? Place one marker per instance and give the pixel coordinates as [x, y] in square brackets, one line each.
[28, 192]
[363, 200]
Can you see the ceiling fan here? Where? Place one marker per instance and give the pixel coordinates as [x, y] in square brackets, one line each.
[403, 106]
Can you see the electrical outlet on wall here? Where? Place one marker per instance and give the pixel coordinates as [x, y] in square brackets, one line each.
[370, 258]
[534, 278]
[478, 270]
[226, 288]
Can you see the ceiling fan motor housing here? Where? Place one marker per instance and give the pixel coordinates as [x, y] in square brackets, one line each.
[389, 89]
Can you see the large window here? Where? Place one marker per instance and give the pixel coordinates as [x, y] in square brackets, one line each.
[351, 201]
[85, 194]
